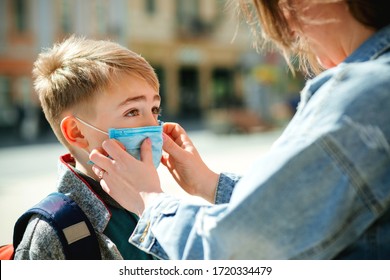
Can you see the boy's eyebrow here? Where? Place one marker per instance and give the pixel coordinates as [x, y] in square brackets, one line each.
[137, 98]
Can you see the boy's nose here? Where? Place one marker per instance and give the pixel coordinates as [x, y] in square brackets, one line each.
[150, 120]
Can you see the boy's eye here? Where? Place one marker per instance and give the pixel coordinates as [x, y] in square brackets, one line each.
[156, 110]
[132, 113]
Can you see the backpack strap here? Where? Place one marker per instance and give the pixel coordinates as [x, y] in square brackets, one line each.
[75, 231]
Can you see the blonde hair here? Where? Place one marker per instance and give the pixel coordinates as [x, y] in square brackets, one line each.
[269, 24]
[72, 73]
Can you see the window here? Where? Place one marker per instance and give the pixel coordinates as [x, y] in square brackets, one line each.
[8, 113]
[66, 22]
[102, 13]
[223, 88]
[150, 7]
[187, 11]
[20, 11]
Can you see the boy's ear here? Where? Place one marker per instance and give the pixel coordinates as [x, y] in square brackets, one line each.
[72, 133]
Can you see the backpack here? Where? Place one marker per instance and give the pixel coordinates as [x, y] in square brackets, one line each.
[75, 231]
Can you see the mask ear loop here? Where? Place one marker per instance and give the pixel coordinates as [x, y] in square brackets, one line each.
[160, 123]
[90, 162]
[91, 126]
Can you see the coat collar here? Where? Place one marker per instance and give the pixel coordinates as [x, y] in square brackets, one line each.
[72, 184]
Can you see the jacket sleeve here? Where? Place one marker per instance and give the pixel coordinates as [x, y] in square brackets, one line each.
[225, 187]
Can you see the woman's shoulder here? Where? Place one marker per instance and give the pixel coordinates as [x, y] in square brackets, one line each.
[366, 80]
[376, 71]
[363, 90]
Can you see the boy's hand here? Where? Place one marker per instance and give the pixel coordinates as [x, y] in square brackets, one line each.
[185, 164]
[132, 183]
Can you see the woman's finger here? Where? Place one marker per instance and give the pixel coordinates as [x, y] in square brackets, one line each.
[101, 150]
[176, 133]
[105, 187]
[101, 161]
[116, 150]
[171, 147]
[146, 151]
[98, 171]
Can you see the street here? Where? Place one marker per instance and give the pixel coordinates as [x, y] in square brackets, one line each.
[28, 173]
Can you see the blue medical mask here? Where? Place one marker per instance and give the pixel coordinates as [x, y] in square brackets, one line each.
[132, 139]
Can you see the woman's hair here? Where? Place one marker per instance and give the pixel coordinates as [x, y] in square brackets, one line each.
[267, 19]
[72, 73]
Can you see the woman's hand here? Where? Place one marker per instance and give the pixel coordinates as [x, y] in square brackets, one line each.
[185, 164]
[132, 183]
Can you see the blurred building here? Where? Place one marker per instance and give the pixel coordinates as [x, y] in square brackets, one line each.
[189, 43]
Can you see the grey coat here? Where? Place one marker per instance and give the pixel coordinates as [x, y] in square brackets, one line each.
[40, 242]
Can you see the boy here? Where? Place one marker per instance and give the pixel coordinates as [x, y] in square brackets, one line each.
[87, 87]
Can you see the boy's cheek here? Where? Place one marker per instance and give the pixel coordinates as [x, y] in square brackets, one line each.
[96, 141]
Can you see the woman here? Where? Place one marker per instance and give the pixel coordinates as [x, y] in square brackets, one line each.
[322, 191]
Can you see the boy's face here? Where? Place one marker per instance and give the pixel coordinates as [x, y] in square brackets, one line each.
[128, 102]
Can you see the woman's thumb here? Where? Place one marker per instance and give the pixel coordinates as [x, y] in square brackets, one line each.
[146, 151]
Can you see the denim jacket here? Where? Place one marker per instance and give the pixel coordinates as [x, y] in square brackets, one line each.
[321, 192]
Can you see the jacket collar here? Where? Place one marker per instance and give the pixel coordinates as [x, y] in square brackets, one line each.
[372, 48]
[72, 184]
